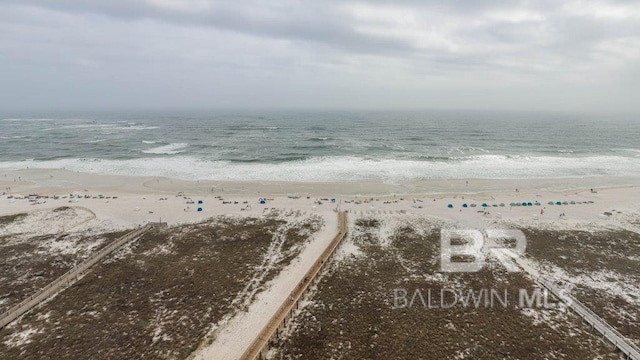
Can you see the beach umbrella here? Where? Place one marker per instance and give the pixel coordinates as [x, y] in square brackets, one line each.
[550, 203]
[450, 206]
[464, 205]
[573, 202]
[529, 204]
[558, 203]
[501, 204]
[484, 205]
[473, 205]
[537, 203]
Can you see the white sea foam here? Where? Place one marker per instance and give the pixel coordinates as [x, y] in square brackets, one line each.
[23, 138]
[94, 141]
[148, 142]
[21, 119]
[134, 127]
[171, 149]
[335, 169]
[109, 127]
[87, 126]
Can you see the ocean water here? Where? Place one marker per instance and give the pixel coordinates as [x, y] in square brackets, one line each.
[329, 146]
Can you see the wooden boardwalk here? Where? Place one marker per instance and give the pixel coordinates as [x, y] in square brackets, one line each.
[626, 347]
[260, 345]
[71, 276]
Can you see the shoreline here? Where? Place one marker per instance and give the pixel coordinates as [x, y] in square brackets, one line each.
[57, 181]
[121, 201]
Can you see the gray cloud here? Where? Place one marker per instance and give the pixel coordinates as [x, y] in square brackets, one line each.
[200, 53]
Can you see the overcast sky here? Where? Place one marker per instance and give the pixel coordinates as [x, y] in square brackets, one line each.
[533, 55]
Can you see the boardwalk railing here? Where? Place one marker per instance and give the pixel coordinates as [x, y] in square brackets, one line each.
[626, 347]
[260, 345]
[69, 277]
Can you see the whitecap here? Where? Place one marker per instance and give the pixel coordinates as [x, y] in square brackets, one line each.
[94, 141]
[134, 127]
[348, 168]
[171, 149]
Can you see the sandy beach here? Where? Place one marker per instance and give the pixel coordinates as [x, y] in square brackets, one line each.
[117, 202]
[126, 201]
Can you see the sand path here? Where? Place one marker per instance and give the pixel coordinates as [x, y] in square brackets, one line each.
[233, 337]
